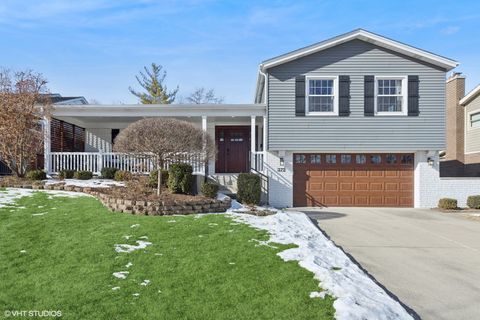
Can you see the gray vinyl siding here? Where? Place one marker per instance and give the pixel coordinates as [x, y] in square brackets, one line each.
[472, 135]
[356, 132]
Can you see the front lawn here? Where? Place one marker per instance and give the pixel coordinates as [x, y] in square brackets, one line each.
[59, 253]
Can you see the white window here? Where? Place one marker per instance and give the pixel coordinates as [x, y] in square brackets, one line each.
[321, 96]
[475, 120]
[391, 95]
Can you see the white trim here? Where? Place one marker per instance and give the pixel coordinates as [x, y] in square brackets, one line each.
[366, 36]
[159, 110]
[470, 96]
[335, 96]
[469, 128]
[404, 111]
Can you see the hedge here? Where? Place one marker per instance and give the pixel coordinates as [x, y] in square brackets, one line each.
[209, 189]
[108, 172]
[83, 175]
[473, 202]
[66, 174]
[180, 178]
[447, 204]
[249, 188]
[153, 178]
[36, 175]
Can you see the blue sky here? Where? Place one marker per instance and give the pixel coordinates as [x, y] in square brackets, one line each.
[94, 48]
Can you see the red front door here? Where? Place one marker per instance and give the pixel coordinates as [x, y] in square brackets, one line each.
[233, 145]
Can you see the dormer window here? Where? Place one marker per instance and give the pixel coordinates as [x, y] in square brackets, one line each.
[391, 96]
[322, 96]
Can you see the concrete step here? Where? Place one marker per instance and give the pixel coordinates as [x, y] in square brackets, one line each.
[226, 181]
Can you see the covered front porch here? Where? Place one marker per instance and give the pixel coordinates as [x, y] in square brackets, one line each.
[80, 137]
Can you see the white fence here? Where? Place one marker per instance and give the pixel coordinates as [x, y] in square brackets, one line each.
[95, 161]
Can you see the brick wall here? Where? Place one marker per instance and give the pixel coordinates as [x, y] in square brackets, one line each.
[455, 126]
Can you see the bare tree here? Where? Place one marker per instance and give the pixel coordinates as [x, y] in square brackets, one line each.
[202, 96]
[23, 106]
[152, 80]
[165, 140]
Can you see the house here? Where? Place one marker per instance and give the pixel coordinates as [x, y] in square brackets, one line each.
[356, 120]
[462, 158]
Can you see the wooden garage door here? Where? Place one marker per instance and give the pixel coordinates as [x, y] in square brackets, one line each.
[363, 180]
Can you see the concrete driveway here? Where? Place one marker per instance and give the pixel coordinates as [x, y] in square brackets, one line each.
[429, 260]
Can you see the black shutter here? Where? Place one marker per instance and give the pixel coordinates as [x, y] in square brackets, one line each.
[413, 109]
[344, 96]
[369, 96]
[300, 96]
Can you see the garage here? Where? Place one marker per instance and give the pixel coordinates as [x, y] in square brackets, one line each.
[348, 180]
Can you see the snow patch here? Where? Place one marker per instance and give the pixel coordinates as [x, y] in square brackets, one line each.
[263, 243]
[121, 274]
[128, 265]
[145, 283]
[136, 294]
[23, 251]
[135, 225]
[115, 288]
[92, 183]
[10, 195]
[357, 296]
[38, 214]
[130, 247]
[316, 294]
[143, 237]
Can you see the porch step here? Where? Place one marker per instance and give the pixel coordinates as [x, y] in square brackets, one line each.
[226, 181]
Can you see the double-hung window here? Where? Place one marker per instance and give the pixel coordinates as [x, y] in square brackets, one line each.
[322, 96]
[475, 120]
[391, 95]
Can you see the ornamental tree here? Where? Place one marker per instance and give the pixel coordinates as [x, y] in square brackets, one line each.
[165, 141]
[23, 106]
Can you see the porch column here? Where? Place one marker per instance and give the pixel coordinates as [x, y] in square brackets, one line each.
[252, 134]
[264, 133]
[46, 145]
[204, 128]
[204, 123]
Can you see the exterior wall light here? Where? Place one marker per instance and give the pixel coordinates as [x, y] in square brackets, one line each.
[282, 162]
[430, 161]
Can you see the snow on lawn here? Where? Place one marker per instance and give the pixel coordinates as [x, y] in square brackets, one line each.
[92, 183]
[357, 296]
[10, 195]
[130, 247]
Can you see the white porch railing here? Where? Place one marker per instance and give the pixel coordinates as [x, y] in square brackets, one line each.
[95, 161]
[257, 158]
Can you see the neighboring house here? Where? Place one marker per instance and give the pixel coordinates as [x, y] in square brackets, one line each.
[357, 120]
[463, 130]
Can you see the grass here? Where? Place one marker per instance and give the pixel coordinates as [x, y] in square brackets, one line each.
[208, 268]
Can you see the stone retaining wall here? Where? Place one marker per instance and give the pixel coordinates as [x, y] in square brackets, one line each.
[151, 208]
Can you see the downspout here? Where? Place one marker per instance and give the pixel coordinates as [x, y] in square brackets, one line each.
[265, 92]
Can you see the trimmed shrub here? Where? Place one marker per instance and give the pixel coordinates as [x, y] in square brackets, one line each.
[36, 175]
[122, 175]
[249, 188]
[66, 174]
[209, 189]
[447, 204]
[180, 178]
[108, 172]
[473, 202]
[153, 178]
[83, 175]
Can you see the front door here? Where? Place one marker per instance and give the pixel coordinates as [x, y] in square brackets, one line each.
[233, 145]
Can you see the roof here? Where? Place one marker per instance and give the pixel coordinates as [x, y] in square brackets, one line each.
[470, 96]
[56, 98]
[358, 34]
[160, 110]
